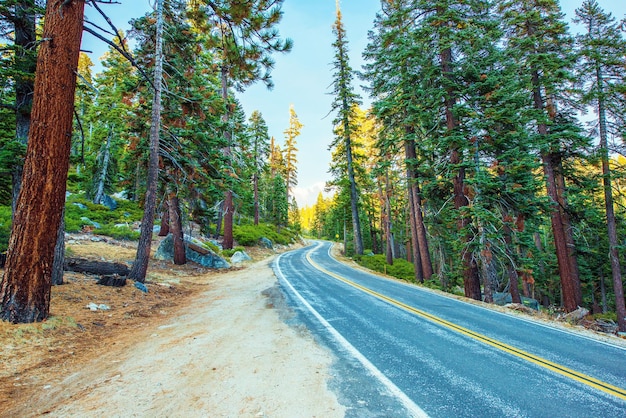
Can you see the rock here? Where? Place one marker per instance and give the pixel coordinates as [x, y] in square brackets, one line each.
[210, 259]
[239, 257]
[86, 219]
[266, 243]
[95, 307]
[109, 202]
[141, 287]
[79, 205]
[575, 316]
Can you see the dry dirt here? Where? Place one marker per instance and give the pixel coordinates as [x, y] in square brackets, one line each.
[200, 343]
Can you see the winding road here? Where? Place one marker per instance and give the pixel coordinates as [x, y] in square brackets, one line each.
[402, 350]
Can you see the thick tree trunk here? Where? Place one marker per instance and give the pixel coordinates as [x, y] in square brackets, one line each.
[26, 283]
[471, 277]
[568, 267]
[176, 230]
[140, 266]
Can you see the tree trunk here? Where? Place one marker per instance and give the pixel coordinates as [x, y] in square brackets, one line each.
[416, 209]
[255, 181]
[104, 170]
[387, 223]
[471, 277]
[354, 197]
[140, 266]
[59, 253]
[176, 230]
[510, 268]
[568, 267]
[26, 283]
[165, 222]
[611, 225]
[218, 225]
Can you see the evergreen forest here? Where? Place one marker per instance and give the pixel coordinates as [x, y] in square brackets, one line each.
[491, 162]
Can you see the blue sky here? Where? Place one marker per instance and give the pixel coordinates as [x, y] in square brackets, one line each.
[303, 77]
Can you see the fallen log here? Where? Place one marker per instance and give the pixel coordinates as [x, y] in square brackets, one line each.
[197, 248]
[101, 268]
[112, 280]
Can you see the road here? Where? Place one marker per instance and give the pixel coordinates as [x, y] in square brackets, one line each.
[402, 350]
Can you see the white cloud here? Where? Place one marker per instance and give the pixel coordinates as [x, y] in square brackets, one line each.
[307, 196]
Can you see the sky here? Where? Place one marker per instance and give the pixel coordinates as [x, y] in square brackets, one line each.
[303, 77]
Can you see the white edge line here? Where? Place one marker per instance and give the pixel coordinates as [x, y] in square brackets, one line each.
[507, 314]
[415, 410]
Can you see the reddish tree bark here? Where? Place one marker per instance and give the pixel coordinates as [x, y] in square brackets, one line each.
[471, 277]
[177, 230]
[415, 202]
[165, 222]
[26, 283]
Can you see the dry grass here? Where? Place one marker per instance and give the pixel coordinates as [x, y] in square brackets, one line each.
[35, 353]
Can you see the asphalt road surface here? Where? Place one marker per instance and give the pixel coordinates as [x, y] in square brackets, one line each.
[406, 351]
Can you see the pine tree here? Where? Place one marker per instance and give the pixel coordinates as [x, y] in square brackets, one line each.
[260, 152]
[538, 38]
[140, 265]
[247, 38]
[344, 104]
[26, 283]
[290, 158]
[602, 71]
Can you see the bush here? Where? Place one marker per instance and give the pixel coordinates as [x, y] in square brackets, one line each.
[5, 227]
[229, 253]
[401, 269]
[118, 232]
[249, 235]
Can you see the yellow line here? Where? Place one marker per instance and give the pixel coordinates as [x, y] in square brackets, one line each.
[562, 370]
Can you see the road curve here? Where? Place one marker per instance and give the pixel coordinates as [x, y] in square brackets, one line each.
[420, 353]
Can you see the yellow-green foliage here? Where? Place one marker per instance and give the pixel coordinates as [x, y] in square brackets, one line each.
[249, 235]
[5, 227]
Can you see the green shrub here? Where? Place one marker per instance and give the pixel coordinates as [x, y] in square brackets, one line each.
[5, 227]
[249, 235]
[118, 232]
[229, 253]
[401, 269]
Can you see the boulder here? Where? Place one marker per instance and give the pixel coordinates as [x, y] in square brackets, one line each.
[210, 259]
[266, 243]
[109, 202]
[240, 257]
[94, 223]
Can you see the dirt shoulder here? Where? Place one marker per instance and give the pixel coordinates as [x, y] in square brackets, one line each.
[199, 343]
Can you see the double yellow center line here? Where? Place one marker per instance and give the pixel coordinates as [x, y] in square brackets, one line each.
[557, 368]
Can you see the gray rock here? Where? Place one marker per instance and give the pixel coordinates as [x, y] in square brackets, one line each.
[86, 219]
[267, 243]
[240, 257]
[109, 202]
[80, 205]
[211, 260]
